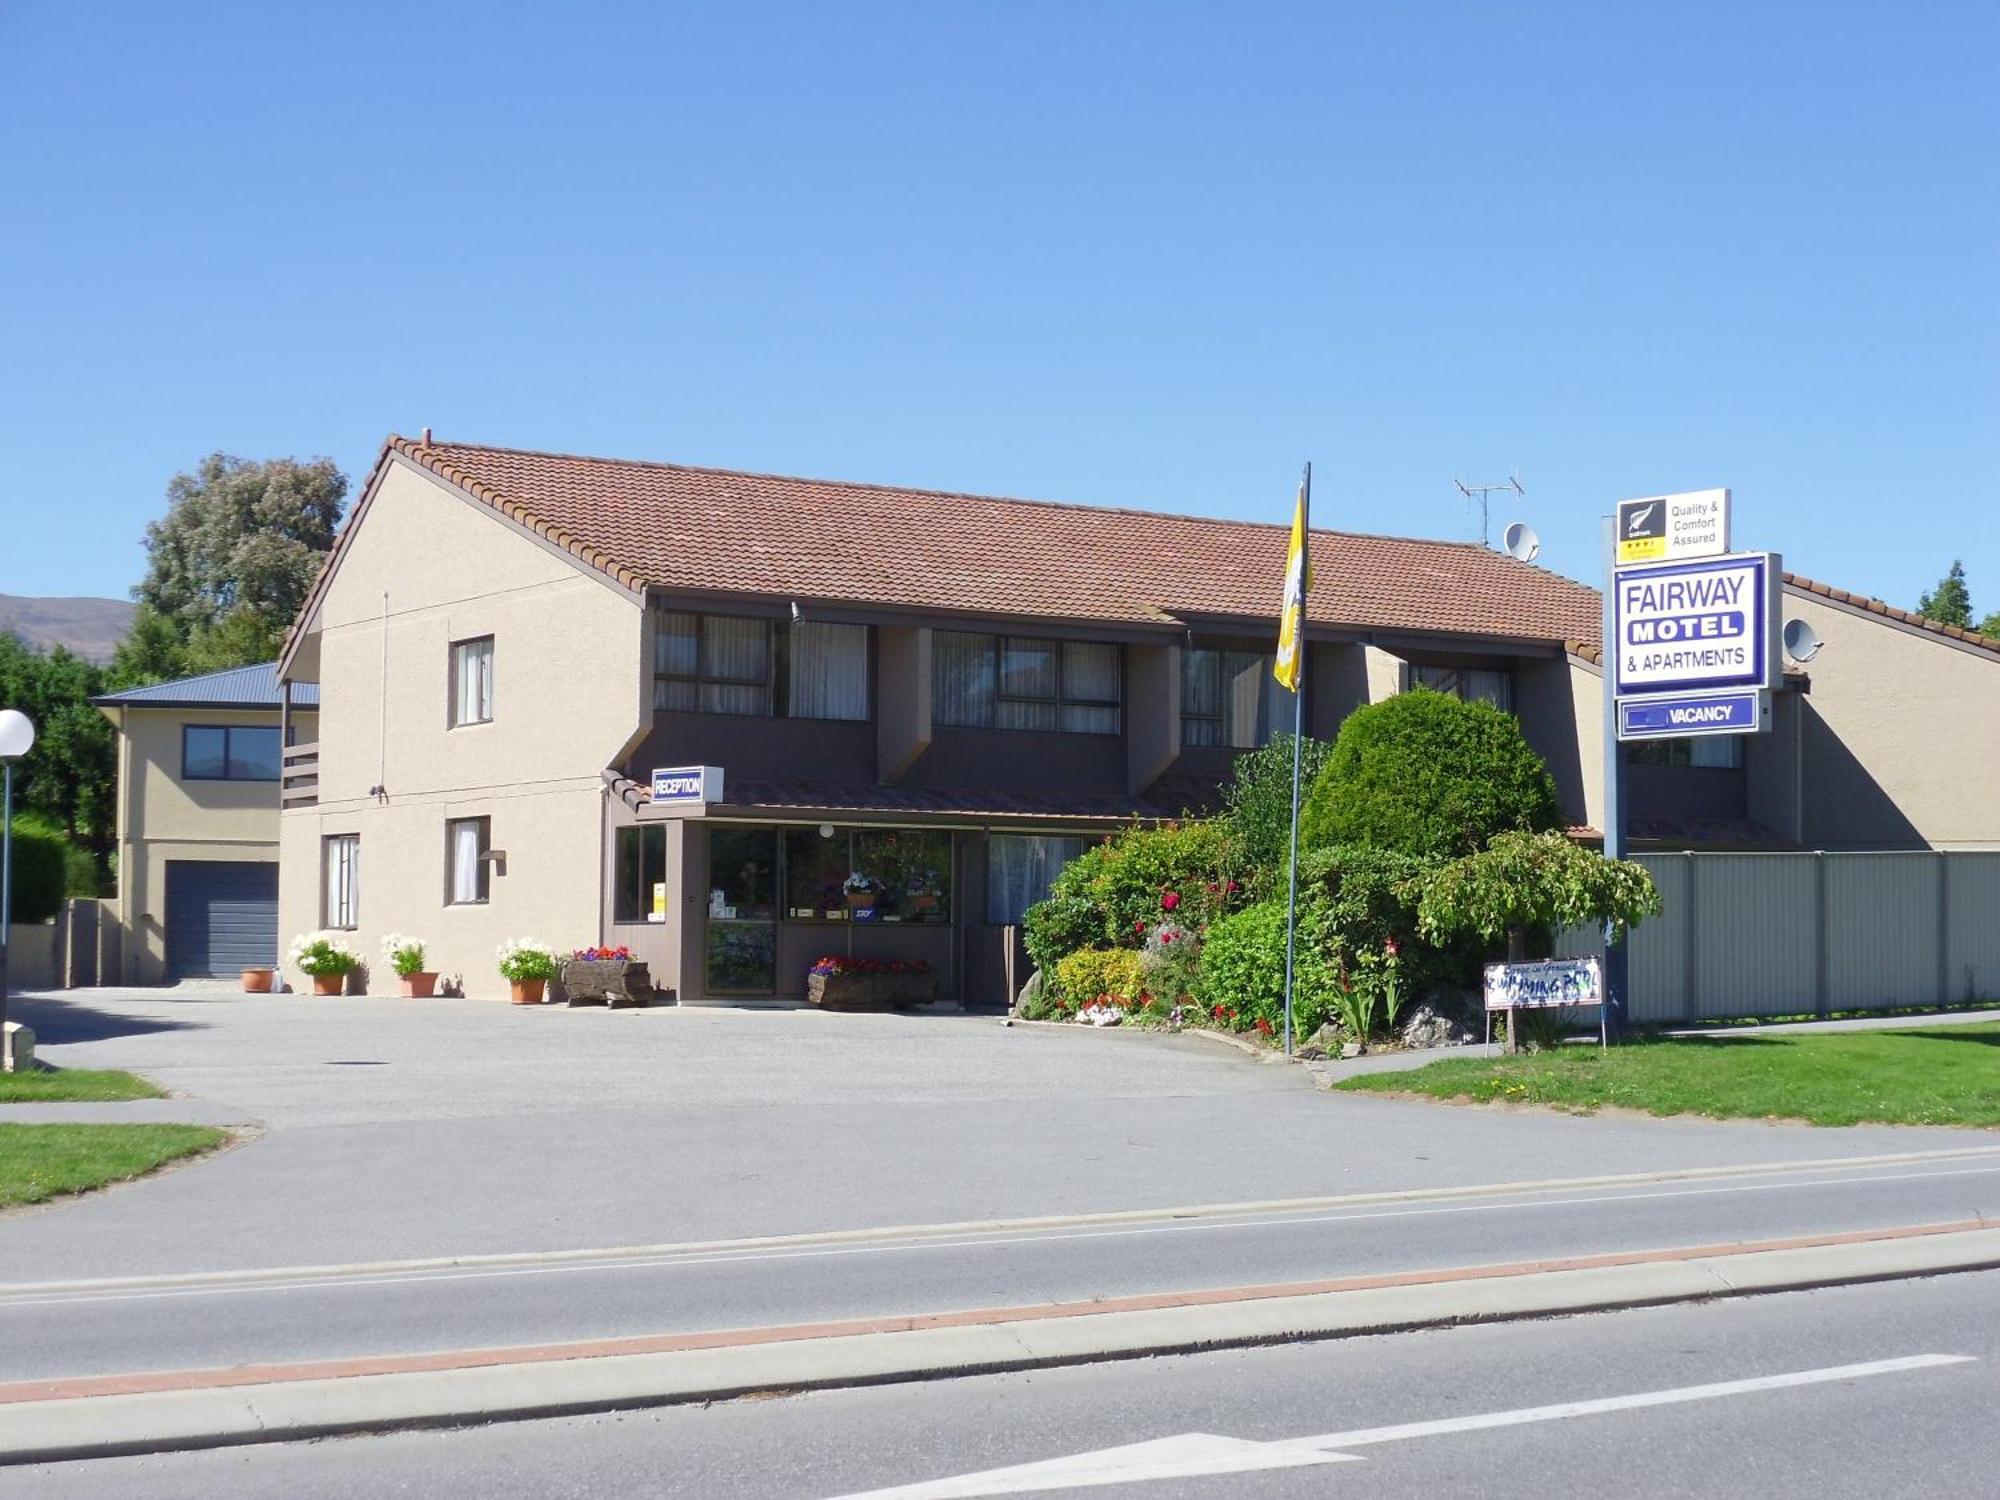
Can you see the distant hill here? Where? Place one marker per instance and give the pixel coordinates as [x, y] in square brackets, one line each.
[92, 628]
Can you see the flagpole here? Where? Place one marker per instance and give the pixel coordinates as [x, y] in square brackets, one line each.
[1298, 736]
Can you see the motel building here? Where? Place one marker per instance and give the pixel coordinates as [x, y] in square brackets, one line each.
[948, 696]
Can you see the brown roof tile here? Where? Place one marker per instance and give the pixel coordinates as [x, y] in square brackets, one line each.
[704, 530]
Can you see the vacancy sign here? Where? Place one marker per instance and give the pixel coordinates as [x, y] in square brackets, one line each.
[1691, 627]
[1662, 528]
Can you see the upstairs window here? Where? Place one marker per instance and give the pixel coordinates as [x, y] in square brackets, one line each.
[234, 752]
[728, 664]
[1230, 698]
[472, 682]
[1473, 685]
[1020, 682]
[711, 664]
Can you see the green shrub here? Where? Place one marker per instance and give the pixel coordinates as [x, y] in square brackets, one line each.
[41, 856]
[1525, 885]
[81, 876]
[1112, 895]
[1258, 800]
[1427, 774]
[1243, 968]
[1117, 972]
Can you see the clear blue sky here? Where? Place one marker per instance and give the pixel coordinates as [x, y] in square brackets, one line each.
[1152, 255]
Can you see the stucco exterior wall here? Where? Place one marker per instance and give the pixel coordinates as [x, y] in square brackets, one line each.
[1558, 701]
[1900, 740]
[163, 817]
[425, 568]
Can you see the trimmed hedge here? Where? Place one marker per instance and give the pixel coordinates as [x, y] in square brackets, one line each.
[1426, 774]
[41, 874]
[1117, 972]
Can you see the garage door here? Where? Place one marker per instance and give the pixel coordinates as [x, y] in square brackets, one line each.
[222, 916]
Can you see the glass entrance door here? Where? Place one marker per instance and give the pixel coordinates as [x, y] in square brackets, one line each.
[742, 942]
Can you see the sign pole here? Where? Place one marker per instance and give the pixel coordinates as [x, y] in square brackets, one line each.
[1298, 736]
[1612, 1017]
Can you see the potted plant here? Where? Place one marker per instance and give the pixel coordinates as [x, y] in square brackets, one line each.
[606, 976]
[326, 958]
[259, 980]
[841, 983]
[527, 966]
[860, 891]
[406, 957]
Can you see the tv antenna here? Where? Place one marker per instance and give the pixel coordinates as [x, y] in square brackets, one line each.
[1484, 493]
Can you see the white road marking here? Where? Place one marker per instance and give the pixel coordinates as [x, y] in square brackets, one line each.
[1188, 1226]
[1196, 1453]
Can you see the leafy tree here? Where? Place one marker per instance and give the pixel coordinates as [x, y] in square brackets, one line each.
[1258, 799]
[1531, 882]
[1950, 603]
[230, 564]
[1991, 625]
[71, 774]
[1429, 775]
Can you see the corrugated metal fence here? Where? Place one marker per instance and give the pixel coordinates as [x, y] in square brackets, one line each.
[1747, 935]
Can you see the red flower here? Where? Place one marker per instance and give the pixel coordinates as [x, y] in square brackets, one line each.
[1169, 901]
[1389, 947]
[1167, 935]
[1234, 887]
[1263, 1027]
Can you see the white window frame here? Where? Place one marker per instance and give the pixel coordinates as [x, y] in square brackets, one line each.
[479, 649]
[340, 882]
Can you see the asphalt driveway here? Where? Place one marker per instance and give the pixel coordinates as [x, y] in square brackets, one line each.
[392, 1128]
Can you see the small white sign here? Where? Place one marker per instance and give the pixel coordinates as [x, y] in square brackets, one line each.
[1548, 985]
[1661, 528]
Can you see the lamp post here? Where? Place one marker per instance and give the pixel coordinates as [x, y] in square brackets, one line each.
[17, 738]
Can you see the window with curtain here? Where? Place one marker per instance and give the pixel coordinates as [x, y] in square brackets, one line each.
[1018, 682]
[1473, 685]
[826, 670]
[467, 870]
[1715, 752]
[1230, 698]
[712, 664]
[1019, 870]
[639, 863]
[340, 904]
[472, 681]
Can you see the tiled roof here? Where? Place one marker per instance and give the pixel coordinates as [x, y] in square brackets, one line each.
[1891, 612]
[819, 798]
[237, 687]
[715, 530]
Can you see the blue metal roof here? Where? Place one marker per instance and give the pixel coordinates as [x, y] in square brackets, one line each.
[238, 687]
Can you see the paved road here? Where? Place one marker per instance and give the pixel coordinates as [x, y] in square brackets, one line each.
[1794, 1419]
[123, 1327]
[397, 1129]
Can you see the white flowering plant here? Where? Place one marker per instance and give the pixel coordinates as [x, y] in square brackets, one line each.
[318, 953]
[405, 954]
[525, 958]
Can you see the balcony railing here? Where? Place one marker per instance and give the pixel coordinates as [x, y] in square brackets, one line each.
[300, 786]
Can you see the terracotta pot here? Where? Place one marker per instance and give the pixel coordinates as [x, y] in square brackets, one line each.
[527, 991]
[860, 900]
[419, 986]
[259, 981]
[329, 984]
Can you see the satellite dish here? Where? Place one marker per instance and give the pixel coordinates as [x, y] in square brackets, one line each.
[1521, 542]
[1802, 642]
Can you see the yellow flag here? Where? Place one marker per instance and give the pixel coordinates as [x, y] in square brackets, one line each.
[1292, 612]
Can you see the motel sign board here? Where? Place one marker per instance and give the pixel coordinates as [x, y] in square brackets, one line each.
[1690, 627]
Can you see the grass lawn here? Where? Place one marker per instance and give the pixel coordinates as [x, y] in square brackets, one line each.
[43, 1161]
[1940, 1075]
[72, 1086]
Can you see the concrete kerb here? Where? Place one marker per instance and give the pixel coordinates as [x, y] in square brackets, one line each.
[40, 1431]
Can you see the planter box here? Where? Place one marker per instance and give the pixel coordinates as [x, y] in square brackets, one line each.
[612, 982]
[870, 991]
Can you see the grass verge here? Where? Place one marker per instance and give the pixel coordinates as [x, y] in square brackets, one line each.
[1942, 1075]
[73, 1086]
[38, 1162]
